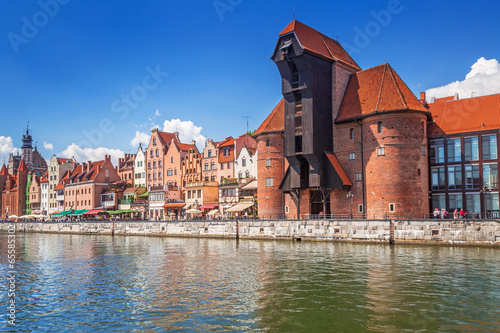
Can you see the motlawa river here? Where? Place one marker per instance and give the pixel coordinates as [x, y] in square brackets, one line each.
[93, 283]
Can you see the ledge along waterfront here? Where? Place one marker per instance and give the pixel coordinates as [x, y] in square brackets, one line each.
[445, 232]
[88, 283]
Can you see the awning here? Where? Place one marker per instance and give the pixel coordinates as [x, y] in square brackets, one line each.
[213, 212]
[79, 212]
[176, 204]
[193, 211]
[240, 207]
[143, 195]
[209, 206]
[93, 211]
[250, 186]
[63, 213]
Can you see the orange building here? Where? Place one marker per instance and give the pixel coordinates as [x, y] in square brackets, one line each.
[225, 168]
[210, 162]
[126, 169]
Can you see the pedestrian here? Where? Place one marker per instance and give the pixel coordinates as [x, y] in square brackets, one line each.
[462, 213]
[455, 214]
[437, 213]
[444, 213]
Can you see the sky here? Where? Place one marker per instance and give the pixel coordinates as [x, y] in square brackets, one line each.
[93, 78]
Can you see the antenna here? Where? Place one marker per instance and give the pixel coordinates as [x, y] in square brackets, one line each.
[246, 117]
[294, 10]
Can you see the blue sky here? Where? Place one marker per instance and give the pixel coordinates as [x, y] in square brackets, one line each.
[71, 73]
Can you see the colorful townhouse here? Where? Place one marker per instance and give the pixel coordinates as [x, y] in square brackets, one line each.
[210, 162]
[126, 169]
[245, 162]
[85, 185]
[225, 167]
[140, 168]
[44, 194]
[57, 168]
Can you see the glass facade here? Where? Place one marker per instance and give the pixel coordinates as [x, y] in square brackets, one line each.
[473, 204]
[438, 178]
[454, 150]
[490, 176]
[471, 148]
[456, 202]
[437, 151]
[489, 145]
[455, 177]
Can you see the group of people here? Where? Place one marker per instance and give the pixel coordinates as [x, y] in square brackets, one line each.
[443, 213]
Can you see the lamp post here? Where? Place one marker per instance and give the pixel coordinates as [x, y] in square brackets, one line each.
[350, 196]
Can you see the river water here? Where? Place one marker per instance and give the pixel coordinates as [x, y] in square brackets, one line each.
[84, 283]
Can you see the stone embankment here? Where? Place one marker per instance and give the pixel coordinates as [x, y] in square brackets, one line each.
[390, 231]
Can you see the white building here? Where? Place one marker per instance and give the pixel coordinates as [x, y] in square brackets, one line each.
[245, 165]
[140, 168]
[44, 195]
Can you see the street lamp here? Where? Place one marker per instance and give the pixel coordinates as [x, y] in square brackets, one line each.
[350, 196]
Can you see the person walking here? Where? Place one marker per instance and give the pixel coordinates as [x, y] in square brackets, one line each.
[455, 214]
[437, 213]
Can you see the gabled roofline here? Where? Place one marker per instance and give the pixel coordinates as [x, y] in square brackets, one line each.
[377, 113]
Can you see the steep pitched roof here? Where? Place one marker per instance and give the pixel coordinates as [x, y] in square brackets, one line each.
[339, 169]
[45, 178]
[377, 89]
[229, 141]
[275, 121]
[464, 115]
[319, 44]
[166, 137]
[245, 140]
[22, 166]
[4, 171]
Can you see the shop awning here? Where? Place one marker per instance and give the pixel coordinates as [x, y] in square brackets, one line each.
[93, 211]
[176, 204]
[213, 212]
[209, 206]
[143, 195]
[240, 207]
[63, 213]
[79, 212]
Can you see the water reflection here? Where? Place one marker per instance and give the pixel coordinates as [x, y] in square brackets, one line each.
[105, 283]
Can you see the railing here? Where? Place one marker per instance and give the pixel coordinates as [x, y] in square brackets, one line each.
[126, 201]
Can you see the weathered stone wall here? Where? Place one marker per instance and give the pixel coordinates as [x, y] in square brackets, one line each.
[419, 231]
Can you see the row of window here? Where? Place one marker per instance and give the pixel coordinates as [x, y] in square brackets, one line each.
[472, 202]
[467, 177]
[192, 194]
[450, 150]
[69, 204]
[83, 191]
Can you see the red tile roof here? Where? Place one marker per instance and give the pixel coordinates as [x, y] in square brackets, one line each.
[319, 44]
[376, 89]
[22, 166]
[45, 178]
[275, 122]
[64, 160]
[465, 115]
[229, 141]
[4, 171]
[166, 137]
[186, 146]
[340, 171]
[130, 190]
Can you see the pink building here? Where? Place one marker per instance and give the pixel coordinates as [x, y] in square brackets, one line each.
[210, 162]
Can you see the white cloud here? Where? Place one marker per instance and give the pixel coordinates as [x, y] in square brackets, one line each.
[157, 113]
[89, 154]
[6, 147]
[187, 131]
[140, 137]
[48, 146]
[483, 79]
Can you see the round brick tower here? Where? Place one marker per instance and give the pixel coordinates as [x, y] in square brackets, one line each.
[395, 159]
[270, 164]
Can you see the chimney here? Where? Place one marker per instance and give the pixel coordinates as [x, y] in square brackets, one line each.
[193, 142]
[88, 166]
[422, 97]
[433, 99]
[473, 94]
[456, 97]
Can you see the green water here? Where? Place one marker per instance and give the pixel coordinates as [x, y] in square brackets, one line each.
[117, 284]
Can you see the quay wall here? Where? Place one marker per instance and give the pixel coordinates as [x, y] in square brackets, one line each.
[389, 231]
